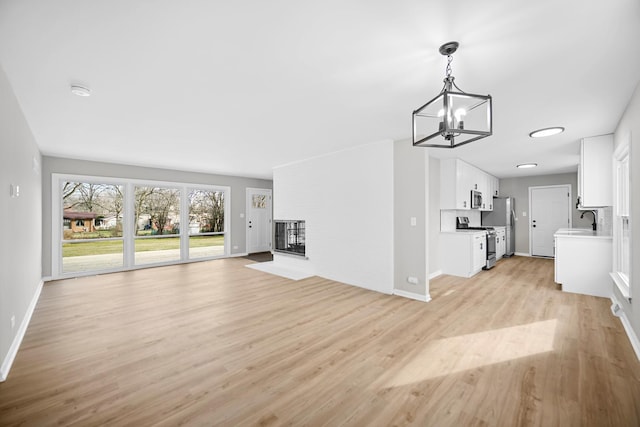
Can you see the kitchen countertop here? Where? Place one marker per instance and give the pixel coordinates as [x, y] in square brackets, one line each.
[581, 233]
[463, 231]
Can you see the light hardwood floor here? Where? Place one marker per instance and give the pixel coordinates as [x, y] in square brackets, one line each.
[215, 343]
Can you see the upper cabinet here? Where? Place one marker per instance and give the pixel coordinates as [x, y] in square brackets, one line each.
[495, 186]
[595, 172]
[458, 179]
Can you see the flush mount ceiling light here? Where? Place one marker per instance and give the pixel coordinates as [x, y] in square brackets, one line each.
[453, 118]
[80, 90]
[541, 133]
[527, 165]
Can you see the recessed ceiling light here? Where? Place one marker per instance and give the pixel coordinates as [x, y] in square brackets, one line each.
[80, 90]
[527, 165]
[540, 133]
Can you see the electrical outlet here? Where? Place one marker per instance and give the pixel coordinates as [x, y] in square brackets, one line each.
[413, 221]
[412, 280]
[235, 247]
[13, 321]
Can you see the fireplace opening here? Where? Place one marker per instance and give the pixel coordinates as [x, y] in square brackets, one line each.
[290, 237]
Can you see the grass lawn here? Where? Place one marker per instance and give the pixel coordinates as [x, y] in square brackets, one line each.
[100, 247]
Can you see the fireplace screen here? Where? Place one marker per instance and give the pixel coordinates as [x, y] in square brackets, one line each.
[289, 237]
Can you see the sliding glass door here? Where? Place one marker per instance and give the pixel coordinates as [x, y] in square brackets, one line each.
[157, 225]
[107, 224]
[91, 226]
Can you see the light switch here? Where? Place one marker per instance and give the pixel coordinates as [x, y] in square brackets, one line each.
[413, 221]
[242, 215]
[14, 190]
[524, 214]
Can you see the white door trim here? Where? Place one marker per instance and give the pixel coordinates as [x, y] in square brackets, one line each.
[568, 188]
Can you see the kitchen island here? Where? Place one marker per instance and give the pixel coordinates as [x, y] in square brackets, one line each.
[583, 260]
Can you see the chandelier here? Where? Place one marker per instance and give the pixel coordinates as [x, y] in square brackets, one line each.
[454, 117]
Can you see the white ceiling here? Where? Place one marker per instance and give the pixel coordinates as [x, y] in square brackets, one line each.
[239, 87]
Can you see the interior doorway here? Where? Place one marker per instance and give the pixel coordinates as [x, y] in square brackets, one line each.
[259, 232]
[549, 210]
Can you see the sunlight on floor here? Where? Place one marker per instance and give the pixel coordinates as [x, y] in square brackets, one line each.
[456, 354]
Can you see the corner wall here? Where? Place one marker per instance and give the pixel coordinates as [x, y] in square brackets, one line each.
[82, 167]
[21, 219]
[346, 199]
[433, 237]
[411, 220]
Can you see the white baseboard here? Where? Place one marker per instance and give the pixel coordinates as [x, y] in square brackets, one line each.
[633, 338]
[412, 295]
[521, 254]
[435, 274]
[15, 345]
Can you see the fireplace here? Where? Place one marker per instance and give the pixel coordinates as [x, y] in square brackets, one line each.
[290, 237]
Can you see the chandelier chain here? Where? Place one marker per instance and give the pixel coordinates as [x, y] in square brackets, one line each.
[448, 70]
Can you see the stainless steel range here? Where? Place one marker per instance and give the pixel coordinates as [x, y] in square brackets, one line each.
[462, 224]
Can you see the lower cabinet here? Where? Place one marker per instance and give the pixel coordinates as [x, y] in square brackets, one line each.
[582, 265]
[463, 253]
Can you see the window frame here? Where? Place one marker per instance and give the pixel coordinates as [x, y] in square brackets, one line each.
[621, 213]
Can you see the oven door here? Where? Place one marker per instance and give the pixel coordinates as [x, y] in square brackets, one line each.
[491, 249]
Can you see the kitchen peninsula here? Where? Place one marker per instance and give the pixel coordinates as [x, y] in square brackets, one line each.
[583, 261]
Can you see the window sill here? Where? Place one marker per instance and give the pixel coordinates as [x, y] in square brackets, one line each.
[622, 286]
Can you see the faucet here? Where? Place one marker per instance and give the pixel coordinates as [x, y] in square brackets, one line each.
[595, 215]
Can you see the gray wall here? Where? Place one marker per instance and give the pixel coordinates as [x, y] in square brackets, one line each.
[630, 122]
[21, 218]
[80, 167]
[519, 188]
[410, 175]
[434, 215]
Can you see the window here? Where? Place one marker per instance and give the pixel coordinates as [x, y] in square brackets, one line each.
[85, 245]
[206, 223]
[110, 224]
[622, 220]
[157, 224]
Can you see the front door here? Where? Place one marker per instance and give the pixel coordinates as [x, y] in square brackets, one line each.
[550, 209]
[258, 220]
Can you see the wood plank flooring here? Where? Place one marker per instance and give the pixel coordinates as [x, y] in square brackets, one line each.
[216, 343]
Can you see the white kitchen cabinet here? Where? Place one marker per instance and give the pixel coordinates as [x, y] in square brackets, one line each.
[482, 180]
[462, 253]
[595, 172]
[501, 245]
[495, 186]
[583, 261]
[458, 179]
[479, 251]
[455, 184]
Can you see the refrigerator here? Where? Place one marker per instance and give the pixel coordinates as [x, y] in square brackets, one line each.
[503, 215]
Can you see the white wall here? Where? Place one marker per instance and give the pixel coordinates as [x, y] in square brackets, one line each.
[346, 199]
[21, 219]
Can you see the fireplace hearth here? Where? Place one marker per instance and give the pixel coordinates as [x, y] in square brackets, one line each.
[290, 237]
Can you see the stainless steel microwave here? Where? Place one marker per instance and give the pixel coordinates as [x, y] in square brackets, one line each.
[476, 199]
